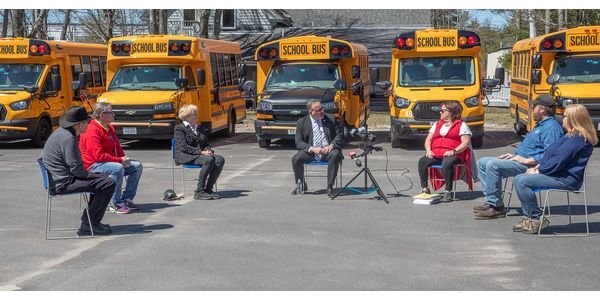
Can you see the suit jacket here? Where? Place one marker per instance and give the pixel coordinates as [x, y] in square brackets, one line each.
[188, 145]
[304, 133]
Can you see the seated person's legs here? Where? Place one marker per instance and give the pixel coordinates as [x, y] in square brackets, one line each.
[298, 161]
[495, 170]
[424, 163]
[214, 175]
[524, 185]
[207, 163]
[334, 158]
[116, 172]
[448, 170]
[133, 173]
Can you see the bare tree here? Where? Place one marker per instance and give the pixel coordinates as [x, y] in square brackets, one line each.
[66, 23]
[109, 17]
[5, 18]
[162, 21]
[547, 22]
[204, 16]
[38, 29]
[18, 22]
[217, 23]
[153, 26]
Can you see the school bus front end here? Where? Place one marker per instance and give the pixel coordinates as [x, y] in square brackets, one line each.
[431, 67]
[565, 64]
[35, 85]
[292, 71]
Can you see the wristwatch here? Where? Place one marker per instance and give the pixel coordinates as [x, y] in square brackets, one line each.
[454, 151]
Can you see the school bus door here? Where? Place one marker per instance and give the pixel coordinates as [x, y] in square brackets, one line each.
[50, 100]
[192, 96]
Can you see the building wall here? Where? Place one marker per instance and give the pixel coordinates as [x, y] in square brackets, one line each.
[343, 18]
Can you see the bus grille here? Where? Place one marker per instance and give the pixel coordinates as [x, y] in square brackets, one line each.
[593, 107]
[129, 113]
[425, 111]
[2, 112]
[288, 112]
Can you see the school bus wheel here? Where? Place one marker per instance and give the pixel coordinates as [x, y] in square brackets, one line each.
[231, 120]
[264, 143]
[519, 127]
[477, 141]
[42, 133]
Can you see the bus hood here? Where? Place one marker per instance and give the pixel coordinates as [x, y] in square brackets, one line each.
[8, 97]
[438, 93]
[579, 90]
[297, 96]
[136, 97]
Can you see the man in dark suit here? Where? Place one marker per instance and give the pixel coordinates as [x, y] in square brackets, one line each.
[317, 139]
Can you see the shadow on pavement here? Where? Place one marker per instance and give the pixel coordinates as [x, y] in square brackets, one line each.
[138, 228]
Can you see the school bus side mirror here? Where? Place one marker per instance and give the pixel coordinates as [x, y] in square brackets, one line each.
[182, 83]
[553, 79]
[249, 86]
[242, 70]
[384, 85]
[490, 83]
[201, 75]
[56, 80]
[536, 61]
[355, 72]
[340, 85]
[536, 76]
[499, 74]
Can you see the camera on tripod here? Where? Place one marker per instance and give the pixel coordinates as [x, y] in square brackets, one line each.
[367, 139]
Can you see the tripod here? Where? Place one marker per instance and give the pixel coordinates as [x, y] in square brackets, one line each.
[367, 149]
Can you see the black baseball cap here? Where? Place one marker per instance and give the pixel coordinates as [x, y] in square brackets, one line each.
[544, 100]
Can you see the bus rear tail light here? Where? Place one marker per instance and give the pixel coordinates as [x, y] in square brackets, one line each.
[462, 41]
[264, 53]
[269, 52]
[273, 53]
[174, 47]
[546, 44]
[116, 48]
[334, 50]
[37, 48]
[400, 43]
[126, 48]
[557, 43]
[405, 41]
[345, 50]
[410, 42]
[468, 39]
[472, 40]
[553, 43]
[185, 47]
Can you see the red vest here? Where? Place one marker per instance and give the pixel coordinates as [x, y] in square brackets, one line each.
[441, 144]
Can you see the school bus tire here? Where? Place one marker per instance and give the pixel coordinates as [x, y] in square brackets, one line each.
[42, 133]
[264, 143]
[477, 141]
[231, 120]
[519, 127]
[395, 141]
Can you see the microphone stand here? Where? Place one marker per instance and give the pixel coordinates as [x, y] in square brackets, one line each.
[367, 149]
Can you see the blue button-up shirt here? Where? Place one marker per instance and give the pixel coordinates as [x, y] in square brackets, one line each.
[544, 134]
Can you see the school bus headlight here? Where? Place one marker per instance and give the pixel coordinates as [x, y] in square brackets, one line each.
[20, 105]
[163, 107]
[472, 101]
[566, 101]
[266, 106]
[329, 105]
[402, 102]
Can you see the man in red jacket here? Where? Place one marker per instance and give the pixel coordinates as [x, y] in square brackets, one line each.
[102, 153]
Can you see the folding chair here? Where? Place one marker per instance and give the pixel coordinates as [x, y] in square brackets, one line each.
[183, 167]
[457, 168]
[83, 202]
[510, 193]
[567, 192]
[338, 180]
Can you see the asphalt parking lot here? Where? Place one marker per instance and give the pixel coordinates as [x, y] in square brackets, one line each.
[259, 237]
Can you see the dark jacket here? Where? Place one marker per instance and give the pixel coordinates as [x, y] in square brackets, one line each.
[566, 159]
[304, 133]
[188, 145]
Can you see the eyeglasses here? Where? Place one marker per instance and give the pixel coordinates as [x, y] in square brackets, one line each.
[318, 110]
[108, 112]
[444, 110]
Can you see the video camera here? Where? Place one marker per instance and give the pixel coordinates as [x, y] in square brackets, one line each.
[363, 133]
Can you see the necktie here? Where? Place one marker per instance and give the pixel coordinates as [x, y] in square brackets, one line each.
[318, 137]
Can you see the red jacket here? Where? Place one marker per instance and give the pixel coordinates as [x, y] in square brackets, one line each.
[99, 145]
[441, 144]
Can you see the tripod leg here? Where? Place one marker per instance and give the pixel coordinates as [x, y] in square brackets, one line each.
[347, 184]
[379, 191]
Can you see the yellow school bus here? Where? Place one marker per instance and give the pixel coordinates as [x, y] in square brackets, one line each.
[565, 64]
[430, 67]
[37, 84]
[151, 76]
[293, 70]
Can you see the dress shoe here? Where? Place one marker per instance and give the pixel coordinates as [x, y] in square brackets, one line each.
[104, 226]
[330, 191]
[482, 207]
[295, 191]
[491, 213]
[447, 197]
[85, 231]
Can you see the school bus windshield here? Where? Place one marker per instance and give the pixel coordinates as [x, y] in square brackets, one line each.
[15, 76]
[302, 75]
[436, 71]
[146, 78]
[579, 69]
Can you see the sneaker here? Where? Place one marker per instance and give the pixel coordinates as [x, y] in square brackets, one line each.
[202, 196]
[447, 197]
[482, 207]
[519, 226]
[533, 226]
[491, 213]
[130, 204]
[212, 194]
[426, 190]
[119, 209]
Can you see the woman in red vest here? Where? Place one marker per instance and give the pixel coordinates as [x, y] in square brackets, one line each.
[447, 143]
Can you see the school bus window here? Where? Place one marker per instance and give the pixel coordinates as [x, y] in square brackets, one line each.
[227, 69]
[85, 62]
[189, 74]
[55, 69]
[233, 64]
[96, 71]
[145, 78]
[15, 76]
[214, 69]
[221, 70]
[103, 68]
[581, 69]
[302, 75]
[436, 71]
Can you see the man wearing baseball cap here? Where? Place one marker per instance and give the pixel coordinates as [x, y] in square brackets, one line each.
[492, 170]
[67, 175]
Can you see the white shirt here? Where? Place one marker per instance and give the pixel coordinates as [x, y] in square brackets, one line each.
[195, 128]
[464, 129]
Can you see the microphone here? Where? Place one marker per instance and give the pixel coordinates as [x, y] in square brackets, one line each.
[357, 161]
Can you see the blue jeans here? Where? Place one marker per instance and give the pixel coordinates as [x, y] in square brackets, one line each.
[116, 171]
[525, 184]
[491, 171]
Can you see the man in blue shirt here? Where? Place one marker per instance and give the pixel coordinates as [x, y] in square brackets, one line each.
[492, 170]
